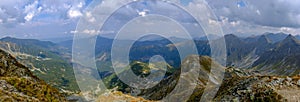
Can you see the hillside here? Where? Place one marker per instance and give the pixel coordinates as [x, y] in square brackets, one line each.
[47, 60]
[17, 83]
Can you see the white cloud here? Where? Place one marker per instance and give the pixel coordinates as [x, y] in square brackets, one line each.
[214, 22]
[29, 16]
[50, 10]
[40, 9]
[235, 23]
[1, 21]
[80, 5]
[258, 12]
[91, 32]
[74, 13]
[31, 10]
[286, 29]
[31, 7]
[273, 13]
[73, 31]
[143, 12]
[90, 17]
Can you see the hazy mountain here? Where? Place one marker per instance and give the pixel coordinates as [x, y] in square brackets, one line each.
[250, 39]
[298, 37]
[274, 38]
[57, 39]
[205, 38]
[151, 38]
[17, 83]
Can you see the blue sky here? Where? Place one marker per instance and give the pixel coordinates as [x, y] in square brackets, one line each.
[58, 18]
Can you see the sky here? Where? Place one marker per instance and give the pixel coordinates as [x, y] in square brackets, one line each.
[41, 19]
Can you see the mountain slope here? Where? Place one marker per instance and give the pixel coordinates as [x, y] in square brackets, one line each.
[47, 60]
[274, 38]
[281, 60]
[17, 83]
[164, 87]
[238, 85]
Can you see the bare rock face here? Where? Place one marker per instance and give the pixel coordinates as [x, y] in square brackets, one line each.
[17, 83]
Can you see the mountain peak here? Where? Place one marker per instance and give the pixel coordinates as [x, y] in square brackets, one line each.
[231, 37]
[290, 36]
[291, 39]
[263, 39]
[7, 37]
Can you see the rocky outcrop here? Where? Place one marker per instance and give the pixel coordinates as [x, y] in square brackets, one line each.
[259, 88]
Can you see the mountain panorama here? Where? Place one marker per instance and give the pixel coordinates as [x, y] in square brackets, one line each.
[258, 68]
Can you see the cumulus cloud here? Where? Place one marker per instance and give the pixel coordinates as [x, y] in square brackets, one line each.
[235, 16]
[74, 13]
[274, 13]
[75, 10]
[31, 10]
[28, 10]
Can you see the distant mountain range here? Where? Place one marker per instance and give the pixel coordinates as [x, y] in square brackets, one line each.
[242, 52]
[269, 54]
